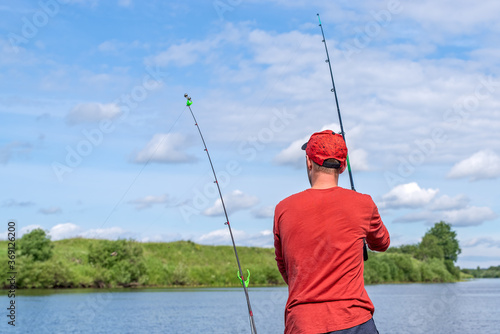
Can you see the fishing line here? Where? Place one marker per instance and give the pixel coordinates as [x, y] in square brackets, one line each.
[244, 282]
[334, 91]
[140, 171]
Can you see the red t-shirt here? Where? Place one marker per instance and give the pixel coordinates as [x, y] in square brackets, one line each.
[318, 239]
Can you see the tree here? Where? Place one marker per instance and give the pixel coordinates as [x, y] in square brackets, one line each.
[404, 249]
[37, 245]
[447, 240]
[429, 248]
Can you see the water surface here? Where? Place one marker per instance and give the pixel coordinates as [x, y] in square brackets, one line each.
[464, 307]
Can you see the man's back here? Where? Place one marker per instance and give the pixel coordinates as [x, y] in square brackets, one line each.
[319, 250]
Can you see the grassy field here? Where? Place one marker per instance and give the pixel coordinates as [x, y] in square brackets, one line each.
[125, 263]
[181, 263]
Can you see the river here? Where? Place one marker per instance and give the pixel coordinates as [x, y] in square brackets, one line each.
[464, 307]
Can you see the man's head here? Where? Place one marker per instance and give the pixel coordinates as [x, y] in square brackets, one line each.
[328, 150]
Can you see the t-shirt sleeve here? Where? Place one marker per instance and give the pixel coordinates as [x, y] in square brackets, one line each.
[278, 250]
[378, 238]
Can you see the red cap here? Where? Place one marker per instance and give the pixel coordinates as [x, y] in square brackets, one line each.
[327, 145]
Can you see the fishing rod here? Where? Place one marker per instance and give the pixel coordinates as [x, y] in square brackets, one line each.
[365, 248]
[244, 282]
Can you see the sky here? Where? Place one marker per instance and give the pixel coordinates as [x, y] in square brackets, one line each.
[97, 140]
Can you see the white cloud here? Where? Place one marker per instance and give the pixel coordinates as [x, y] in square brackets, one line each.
[20, 232]
[149, 201]
[116, 46]
[70, 230]
[446, 202]
[484, 164]
[110, 233]
[264, 212]
[182, 54]
[398, 239]
[91, 3]
[483, 251]
[293, 155]
[358, 158]
[165, 148]
[481, 241]
[14, 203]
[415, 217]
[235, 201]
[469, 216]
[465, 17]
[125, 3]
[108, 46]
[15, 148]
[408, 195]
[29, 228]
[50, 211]
[219, 237]
[222, 237]
[92, 112]
[187, 53]
[65, 231]
[162, 237]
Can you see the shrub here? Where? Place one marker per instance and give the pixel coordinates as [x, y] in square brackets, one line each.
[120, 261]
[37, 245]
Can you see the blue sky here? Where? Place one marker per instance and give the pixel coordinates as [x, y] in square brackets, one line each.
[97, 141]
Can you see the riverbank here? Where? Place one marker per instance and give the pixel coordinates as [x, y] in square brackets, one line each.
[90, 263]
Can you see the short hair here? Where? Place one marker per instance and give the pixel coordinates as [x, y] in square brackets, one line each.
[327, 170]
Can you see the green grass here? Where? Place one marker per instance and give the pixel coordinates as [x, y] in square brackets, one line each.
[184, 263]
[190, 264]
[181, 263]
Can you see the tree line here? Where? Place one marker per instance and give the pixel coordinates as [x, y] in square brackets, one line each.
[431, 260]
[78, 262]
[491, 272]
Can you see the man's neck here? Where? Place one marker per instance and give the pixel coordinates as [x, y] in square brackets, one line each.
[324, 181]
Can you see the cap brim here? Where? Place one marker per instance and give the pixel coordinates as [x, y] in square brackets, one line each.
[304, 146]
[335, 165]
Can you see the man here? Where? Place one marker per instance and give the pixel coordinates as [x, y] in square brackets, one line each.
[318, 240]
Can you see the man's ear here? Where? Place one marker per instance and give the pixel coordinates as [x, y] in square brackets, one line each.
[309, 163]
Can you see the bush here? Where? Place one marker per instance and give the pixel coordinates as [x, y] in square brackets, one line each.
[434, 270]
[120, 262]
[43, 275]
[37, 245]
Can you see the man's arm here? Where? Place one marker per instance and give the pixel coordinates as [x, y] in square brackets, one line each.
[378, 238]
[278, 251]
